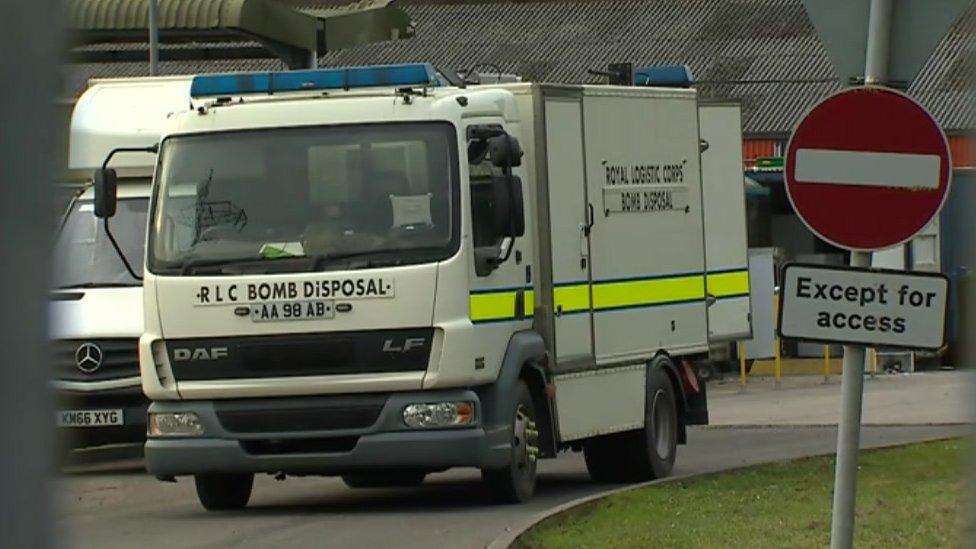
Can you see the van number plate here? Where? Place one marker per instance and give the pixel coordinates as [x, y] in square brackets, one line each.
[292, 310]
[89, 418]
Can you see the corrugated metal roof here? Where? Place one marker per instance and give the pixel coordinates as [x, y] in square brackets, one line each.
[262, 18]
[764, 53]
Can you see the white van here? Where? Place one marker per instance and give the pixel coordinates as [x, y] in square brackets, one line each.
[96, 302]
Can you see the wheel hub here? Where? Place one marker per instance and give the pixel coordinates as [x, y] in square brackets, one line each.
[525, 439]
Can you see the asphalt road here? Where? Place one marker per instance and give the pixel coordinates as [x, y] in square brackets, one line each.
[117, 505]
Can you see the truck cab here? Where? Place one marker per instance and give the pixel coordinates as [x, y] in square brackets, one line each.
[95, 307]
[370, 273]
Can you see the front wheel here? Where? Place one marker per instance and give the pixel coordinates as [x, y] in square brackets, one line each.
[515, 482]
[223, 492]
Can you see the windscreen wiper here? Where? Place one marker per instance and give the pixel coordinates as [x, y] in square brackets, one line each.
[190, 265]
[320, 261]
[87, 285]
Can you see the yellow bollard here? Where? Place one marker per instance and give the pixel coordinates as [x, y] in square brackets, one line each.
[742, 364]
[777, 361]
[826, 363]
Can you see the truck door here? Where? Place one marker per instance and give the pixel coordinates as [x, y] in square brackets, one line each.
[570, 221]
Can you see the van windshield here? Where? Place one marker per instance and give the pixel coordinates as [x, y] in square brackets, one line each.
[83, 254]
[305, 199]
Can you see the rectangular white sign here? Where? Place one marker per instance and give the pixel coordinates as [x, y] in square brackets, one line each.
[645, 198]
[863, 306]
[866, 168]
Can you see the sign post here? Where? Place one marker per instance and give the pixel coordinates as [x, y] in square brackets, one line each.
[866, 169]
[852, 369]
[852, 373]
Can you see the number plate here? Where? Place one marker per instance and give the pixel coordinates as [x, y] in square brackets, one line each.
[292, 310]
[90, 418]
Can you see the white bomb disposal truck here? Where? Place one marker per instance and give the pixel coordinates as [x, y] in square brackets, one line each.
[371, 273]
[96, 303]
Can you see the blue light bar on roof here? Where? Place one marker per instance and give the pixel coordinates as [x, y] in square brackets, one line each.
[672, 76]
[414, 74]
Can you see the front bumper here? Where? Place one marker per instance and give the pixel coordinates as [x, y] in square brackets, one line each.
[308, 446]
[129, 399]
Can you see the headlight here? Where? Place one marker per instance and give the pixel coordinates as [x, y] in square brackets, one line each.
[174, 424]
[438, 414]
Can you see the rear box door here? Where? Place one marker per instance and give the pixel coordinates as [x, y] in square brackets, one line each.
[726, 247]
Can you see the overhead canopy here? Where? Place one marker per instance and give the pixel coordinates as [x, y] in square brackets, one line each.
[291, 34]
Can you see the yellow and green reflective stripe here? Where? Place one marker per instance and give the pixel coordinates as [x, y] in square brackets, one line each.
[497, 305]
[572, 298]
[626, 294]
[608, 295]
[727, 284]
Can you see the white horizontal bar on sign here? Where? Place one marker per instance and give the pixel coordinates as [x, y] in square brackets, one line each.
[872, 169]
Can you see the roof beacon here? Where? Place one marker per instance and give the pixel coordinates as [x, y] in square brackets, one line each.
[414, 74]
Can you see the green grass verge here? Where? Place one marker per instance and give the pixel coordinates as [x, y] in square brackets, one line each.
[906, 497]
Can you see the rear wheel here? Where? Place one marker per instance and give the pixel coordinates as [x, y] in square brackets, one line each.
[221, 492]
[647, 454]
[515, 482]
[383, 479]
[660, 434]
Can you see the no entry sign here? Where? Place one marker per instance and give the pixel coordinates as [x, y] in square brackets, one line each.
[867, 168]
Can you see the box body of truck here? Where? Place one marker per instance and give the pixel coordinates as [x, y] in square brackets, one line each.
[488, 345]
[618, 195]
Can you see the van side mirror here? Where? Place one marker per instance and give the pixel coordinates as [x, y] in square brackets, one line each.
[106, 185]
[505, 151]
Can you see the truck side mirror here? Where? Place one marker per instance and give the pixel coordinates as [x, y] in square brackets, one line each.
[106, 186]
[507, 223]
[505, 151]
[509, 208]
[518, 206]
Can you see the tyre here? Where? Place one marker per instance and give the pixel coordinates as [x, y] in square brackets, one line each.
[647, 454]
[660, 433]
[382, 479]
[221, 492]
[515, 482]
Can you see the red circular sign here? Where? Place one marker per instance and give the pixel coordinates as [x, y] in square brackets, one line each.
[867, 168]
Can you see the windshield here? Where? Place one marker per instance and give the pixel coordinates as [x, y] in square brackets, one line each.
[310, 198]
[83, 254]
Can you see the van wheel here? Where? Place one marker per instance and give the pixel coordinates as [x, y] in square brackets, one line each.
[223, 492]
[515, 483]
[647, 454]
[383, 479]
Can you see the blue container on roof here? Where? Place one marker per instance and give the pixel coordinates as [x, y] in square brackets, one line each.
[673, 76]
[413, 74]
